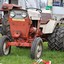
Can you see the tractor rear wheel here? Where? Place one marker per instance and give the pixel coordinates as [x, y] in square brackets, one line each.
[36, 48]
[56, 39]
[3, 44]
[6, 26]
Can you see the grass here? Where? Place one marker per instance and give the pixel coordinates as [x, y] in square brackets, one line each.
[22, 56]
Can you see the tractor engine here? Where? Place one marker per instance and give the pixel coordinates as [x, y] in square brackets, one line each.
[35, 32]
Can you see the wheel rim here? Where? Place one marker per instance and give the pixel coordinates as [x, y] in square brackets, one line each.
[38, 50]
[5, 50]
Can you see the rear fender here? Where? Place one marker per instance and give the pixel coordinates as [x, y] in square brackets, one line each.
[49, 27]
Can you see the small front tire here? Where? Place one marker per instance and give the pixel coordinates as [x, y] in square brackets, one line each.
[3, 44]
[36, 48]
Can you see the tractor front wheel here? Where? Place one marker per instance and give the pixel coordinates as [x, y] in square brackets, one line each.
[4, 50]
[36, 48]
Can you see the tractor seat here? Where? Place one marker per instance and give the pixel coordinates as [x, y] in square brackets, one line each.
[45, 18]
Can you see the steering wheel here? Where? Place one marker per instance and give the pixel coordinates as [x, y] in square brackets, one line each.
[35, 9]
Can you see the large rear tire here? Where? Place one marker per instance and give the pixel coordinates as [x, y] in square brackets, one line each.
[36, 48]
[56, 39]
[3, 44]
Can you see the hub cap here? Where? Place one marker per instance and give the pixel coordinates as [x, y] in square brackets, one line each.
[38, 50]
[5, 50]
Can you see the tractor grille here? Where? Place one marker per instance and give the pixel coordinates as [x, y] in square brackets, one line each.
[18, 14]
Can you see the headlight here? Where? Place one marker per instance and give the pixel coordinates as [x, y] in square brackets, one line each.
[24, 14]
[12, 14]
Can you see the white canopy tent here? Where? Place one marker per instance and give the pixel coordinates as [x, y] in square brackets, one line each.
[32, 3]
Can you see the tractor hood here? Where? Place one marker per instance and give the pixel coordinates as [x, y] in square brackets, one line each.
[33, 14]
[6, 7]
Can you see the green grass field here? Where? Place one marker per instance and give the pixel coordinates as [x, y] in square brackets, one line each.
[22, 56]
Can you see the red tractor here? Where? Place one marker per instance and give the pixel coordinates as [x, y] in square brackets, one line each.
[20, 31]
